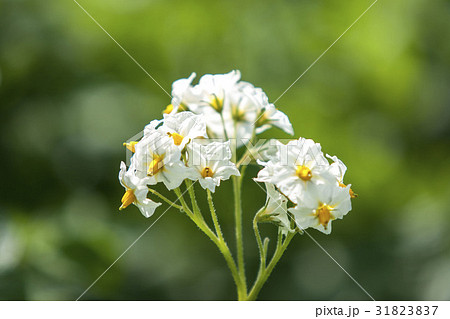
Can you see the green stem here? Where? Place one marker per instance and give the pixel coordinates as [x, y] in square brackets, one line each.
[214, 216]
[223, 247]
[260, 245]
[238, 218]
[262, 249]
[183, 202]
[264, 275]
[238, 214]
[224, 128]
[195, 207]
[168, 201]
[279, 238]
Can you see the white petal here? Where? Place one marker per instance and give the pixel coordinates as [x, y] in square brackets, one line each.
[123, 169]
[217, 151]
[280, 120]
[174, 175]
[304, 217]
[209, 183]
[224, 172]
[147, 207]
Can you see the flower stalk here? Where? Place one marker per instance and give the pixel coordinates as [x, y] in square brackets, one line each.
[265, 272]
[198, 140]
[164, 198]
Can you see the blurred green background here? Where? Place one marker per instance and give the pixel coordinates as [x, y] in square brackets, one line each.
[69, 97]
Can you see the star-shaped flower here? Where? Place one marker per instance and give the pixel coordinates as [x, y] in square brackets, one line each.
[159, 159]
[183, 127]
[135, 191]
[296, 165]
[211, 163]
[320, 205]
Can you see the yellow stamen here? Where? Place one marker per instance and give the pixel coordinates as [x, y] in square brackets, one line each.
[182, 107]
[216, 103]
[323, 213]
[168, 109]
[207, 172]
[352, 193]
[130, 146]
[262, 119]
[156, 165]
[127, 199]
[237, 114]
[303, 172]
[177, 138]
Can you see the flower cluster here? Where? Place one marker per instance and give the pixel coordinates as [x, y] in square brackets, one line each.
[197, 140]
[183, 145]
[201, 137]
[168, 153]
[302, 174]
[233, 108]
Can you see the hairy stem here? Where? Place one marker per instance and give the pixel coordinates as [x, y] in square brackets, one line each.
[195, 207]
[238, 219]
[264, 275]
[182, 201]
[262, 252]
[214, 216]
[221, 244]
[168, 201]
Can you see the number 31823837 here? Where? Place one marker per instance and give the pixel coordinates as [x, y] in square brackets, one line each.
[406, 310]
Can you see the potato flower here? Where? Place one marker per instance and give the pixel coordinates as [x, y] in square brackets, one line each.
[296, 165]
[193, 142]
[211, 163]
[320, 205]
[159, 159]
[135, 192]
[183, 127]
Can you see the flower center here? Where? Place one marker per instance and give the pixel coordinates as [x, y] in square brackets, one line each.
[207, 172]
[127, 199]
[303, 172]
[262, 119]
[324, 214]
[177, 138]
[216, 103]
[237, 114]
[156, 165]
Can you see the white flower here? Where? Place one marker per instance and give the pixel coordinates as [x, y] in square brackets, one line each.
[320, 205]
[275, 209]
[214, 89]
[159, 159]
[266, 175]
[270, 116]
[338, 169]
[183, 127]
[241, 112]
[183, 94]
[211, 163]
[297, 165]
[135, 191]
[239, 105]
